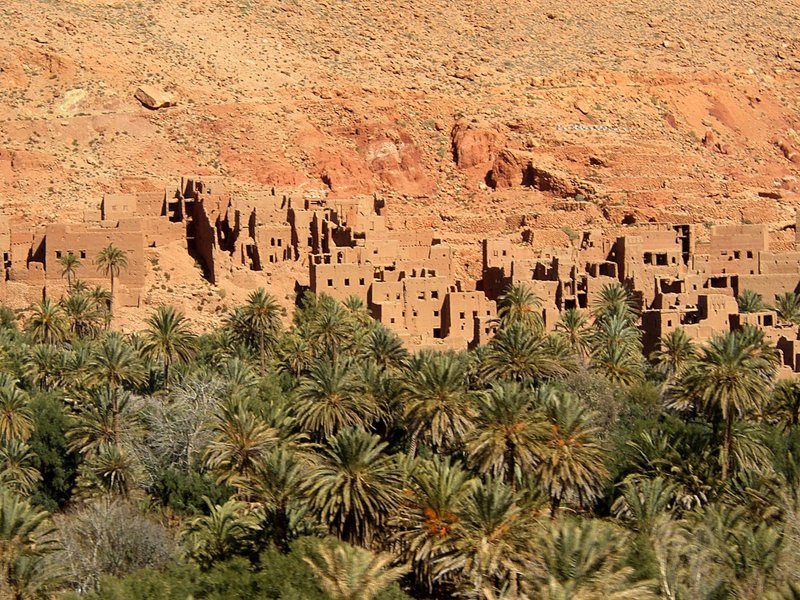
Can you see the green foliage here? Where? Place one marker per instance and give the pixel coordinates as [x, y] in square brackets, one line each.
[540, 465]
[57, 463]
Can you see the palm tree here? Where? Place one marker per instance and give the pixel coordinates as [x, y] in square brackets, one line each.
[572, 460]
[168, 338]
[102, 301]
[17, 467]
[225, 532]
[46, 323]
[729, 379]
[675, 351]
[294, 354]
[385, 348]
[437, 403]
[112, 260]
[16, 419]
[520, 305]
[69, 265]
[111, 470]
[572, 325]
[258, 323]
[784, 404]
[492, 537]
[428, 518]
[586, 558]
[330, 398]
[240, 444]
[276, 485]
[516, 352]
[97, 422]
[788, 307]
[348, 573]
[618, 364]
[354, 487]
[615, 299]
[27, 537]
[114, 363]
[750, 302]
[331, 328]
[82, 314]
[509, 432]
[44, 366]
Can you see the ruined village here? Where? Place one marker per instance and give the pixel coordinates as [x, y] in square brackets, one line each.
[408, 280]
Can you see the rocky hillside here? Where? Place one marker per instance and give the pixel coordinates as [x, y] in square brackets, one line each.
[471, 117]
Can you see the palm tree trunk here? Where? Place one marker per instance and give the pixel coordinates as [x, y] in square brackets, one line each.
[166, 371]
[511, 466]
[412, 445]
[111, 302]
[727, 445]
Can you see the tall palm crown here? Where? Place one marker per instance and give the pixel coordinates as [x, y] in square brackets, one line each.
[788, 307]
[16, 419]
[69, 266]
[675, 350]
[348, 573]
[114, 363]
[438, 405]
[573, 326]
[429, 517]
[519, 353]
[750, 301]
[330, 398]
[509, 431]
[519, 304]
[354, 487]
[491, 540]
[83, 315]
[46, 323]
[111, 261]
[258, 323]
[614, 298]
[586, 559]
[331, 327]
[240, 444]
[729, 379]
[27, 536]
[572, 462]
[168, 338]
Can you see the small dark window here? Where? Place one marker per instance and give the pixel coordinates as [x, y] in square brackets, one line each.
[737, 255]
[434, 294]
[280, 242]
[361, 281]
[346, 281]
[436, 313]
[421, 296]
[83, 253]
[462, 315]
[330, 282]
[391, 320]
[58, 253]
[749, 254]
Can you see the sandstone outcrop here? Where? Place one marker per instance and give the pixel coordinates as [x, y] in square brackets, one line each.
[153, 98]
[522, 168]
[392, 156]
[475, 145]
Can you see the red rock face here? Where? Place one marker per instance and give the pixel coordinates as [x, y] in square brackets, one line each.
[475, 146]
[392, 156]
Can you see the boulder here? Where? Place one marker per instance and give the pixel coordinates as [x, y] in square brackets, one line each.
[475, 145]
[153, 98]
